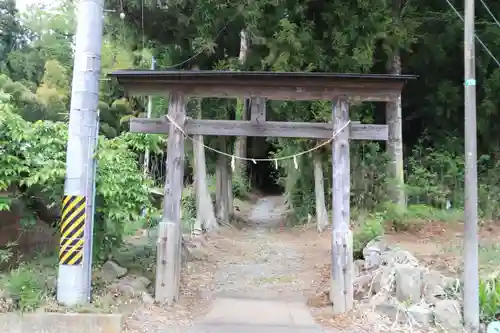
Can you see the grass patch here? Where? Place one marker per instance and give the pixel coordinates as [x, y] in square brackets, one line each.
[415, 217]
[367, 226]
[489, 255]
[489, 258]
[30, 284]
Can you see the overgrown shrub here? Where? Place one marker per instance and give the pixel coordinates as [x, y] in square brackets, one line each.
[435, 177]
[489, 299]
[366, 229]
[240, 190]
[434, 184]
[188, 206]
[368, 179]
[241, 187]
[6, 254]
[33, 155]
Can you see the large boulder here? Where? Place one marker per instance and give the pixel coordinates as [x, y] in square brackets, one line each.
[398, 257]
[111, 271]
[448, 316]
[132, 286]
[436, 286]
[408, 280]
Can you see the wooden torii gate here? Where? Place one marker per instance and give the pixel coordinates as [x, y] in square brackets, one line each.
[339, 88]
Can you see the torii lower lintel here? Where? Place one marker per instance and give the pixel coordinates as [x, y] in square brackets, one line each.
[264, 128]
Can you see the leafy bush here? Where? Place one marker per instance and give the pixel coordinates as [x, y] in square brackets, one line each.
[435, 177]
[240, 187]
[32, 156]
[365, 230]
[188, 205]
[489, 299]
[6, 254]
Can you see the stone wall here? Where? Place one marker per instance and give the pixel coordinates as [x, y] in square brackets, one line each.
[393, 282]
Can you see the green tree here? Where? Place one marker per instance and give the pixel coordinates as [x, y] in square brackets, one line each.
[53, 91]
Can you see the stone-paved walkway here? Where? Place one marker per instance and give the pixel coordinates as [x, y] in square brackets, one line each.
[230, 315]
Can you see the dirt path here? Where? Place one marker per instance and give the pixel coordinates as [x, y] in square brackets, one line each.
[260, 265]
[261, 261]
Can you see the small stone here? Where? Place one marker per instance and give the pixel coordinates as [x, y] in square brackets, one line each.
[408, 283]
[132, 286]
[111, 271]
[362, 285]
[392, 309]
[359, 267]
[373, 260]
[372, 253]
[4, 294]
[144, 281]
[399, 257]
[147, 298]
[377, 244]
[435, 285]
[422, 314]
[382, 279]
[448, 316]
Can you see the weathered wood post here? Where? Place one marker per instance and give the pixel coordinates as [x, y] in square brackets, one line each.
[341, 288]
[258, 110]
[168, 262]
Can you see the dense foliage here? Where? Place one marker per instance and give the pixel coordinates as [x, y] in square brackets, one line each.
[300, 35]
[32, 163]
[356, 36]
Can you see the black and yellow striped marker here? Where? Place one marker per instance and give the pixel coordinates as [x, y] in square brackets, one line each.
[72, 230]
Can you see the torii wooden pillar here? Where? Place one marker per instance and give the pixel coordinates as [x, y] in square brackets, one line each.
[339, 88]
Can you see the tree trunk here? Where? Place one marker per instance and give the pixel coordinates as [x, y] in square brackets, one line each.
[319, 189]
[205, 216]
[394, 121]
[240, 146]
[222, 195]
[230, 195]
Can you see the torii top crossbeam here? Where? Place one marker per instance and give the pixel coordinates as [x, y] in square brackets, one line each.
[271, 85]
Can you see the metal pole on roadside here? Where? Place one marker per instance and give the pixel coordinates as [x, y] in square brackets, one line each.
[75, 253]
[471, 263]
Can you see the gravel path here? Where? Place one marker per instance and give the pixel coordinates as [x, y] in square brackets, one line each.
[264, 267]
[250, 263]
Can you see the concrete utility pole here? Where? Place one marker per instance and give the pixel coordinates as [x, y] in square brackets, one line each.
[150, 111]
[75, 254]
[471, 278]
